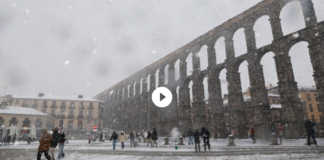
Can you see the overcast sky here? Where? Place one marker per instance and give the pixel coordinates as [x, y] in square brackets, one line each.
[84, 47]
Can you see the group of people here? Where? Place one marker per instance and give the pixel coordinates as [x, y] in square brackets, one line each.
[50, 142]
[152, 137]
[196, 135]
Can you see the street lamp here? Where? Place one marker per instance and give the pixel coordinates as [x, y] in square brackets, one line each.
[125, 123]
[62, 121]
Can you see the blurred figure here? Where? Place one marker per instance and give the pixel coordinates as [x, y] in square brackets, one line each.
[114, 138]
[44, 145]
[280, 132]
[148, 137]
[103, 137]
[310, 131]
[67, 138]
[205, 135]
[61, 145]
[154, 138]
[122, 138]
[132, 138]
[190, 134]
[196, 136]
[89, 138]
[54, 141]
[13, 138]
[252, 132]
[215, 136]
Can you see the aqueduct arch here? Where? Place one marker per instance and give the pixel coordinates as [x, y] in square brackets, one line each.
[180, 113]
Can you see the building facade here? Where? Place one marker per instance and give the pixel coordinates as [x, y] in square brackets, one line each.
[25, 119]
[77, 112]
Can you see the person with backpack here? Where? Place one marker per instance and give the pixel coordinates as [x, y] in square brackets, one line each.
[196, 136]
[122, 138]
[205, 135]
[114, 138]
[310, 131]
[154, 138]
[54, 141]
[61, 145]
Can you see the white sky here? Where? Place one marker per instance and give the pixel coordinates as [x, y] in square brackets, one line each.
[84, 47]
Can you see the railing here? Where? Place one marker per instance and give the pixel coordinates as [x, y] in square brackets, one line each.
[89, 116]
[63, 107]
[90, 108]
[72, 107]
[24, 105]
[44, 106]
[80, 116]
[35, 106]
[81, 107]
[71, 116]
[53, 106]
[53, 115]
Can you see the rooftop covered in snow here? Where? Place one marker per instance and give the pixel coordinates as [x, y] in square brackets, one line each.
[22, 111]
[57, 97]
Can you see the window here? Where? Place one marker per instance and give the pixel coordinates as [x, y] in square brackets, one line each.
[1, 120]
[63, 103]
[62, 112]
[71, 112]
[38, 123]
[308, 97]
[44, 110]
[35, 103]
[273, 100]
[321, 119]
[25, 103]
[72, 104]
[17, 101]
[313, 118]
[318, 107]
[70, 124]
[80, 124]
[310, 108]
[54, 103]
[82, 104]
[316, 98]
[53, 112]
[91, 104]
[89, 113]
[45, 103]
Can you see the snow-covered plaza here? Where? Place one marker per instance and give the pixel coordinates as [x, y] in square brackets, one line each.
[244, 149]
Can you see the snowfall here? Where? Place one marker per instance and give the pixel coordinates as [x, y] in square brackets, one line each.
[244, 149]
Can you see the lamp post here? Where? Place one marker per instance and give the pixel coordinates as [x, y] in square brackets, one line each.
[125, 123]
[62, 121]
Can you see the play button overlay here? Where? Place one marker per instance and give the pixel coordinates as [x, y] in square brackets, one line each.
[162, 97]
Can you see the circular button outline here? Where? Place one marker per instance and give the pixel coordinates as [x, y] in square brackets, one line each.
[156, 97]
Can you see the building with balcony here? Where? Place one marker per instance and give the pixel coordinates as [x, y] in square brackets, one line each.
[79, 113]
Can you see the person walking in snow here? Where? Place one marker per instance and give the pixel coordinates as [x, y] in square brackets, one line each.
[205, 135]
[89, 138]
[54, 141]
[103, 137]
[154, 138]
[44, 145]
[148, 137]
[61, 145]
[122, 138]
[310, 131]
[132, 138]
[196, 136]
[252, 132]
[114, 138]
[13, 138]
[190, 134]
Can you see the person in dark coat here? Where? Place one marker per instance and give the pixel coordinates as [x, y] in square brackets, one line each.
[252, 132]
[205, 135]
[8, 139]
[196, 136]
[132, 138]
[148, 137]
[154, 138]
[44, 145]
[190, 134]
[13, 138]
[114, 138]
[61, 141]
[54, 141]
[310, 131]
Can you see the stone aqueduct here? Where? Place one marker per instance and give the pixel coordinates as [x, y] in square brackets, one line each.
[126, 99]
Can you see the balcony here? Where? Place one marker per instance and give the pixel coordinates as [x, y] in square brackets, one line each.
[53, 106]
[63, 107]
[71, 107]
[90, 108]
[44, 106]
[25, 105]
[81, 107]
[80, 116]
[89, 117]
[70, 116]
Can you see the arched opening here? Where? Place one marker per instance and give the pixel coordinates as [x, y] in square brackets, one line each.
[319, 10]
[148, 82]
[177, 69]
[269, 70]
[262, 32]
[292, 18]
[178, 91]
[190, 92]
[302, 67]
[244, 75]
[157, 80]
[220, 50]
[166, 74]
[223, 81]
[239, 42]
[141, 86]
[203, 55]
[134, 88]
[206, 93]
[189, 64]
[129, 90]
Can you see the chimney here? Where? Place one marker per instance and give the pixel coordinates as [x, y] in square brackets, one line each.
[80, 96]
[40, 94]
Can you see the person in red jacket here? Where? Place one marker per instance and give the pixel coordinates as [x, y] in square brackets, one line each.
[252, 131]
